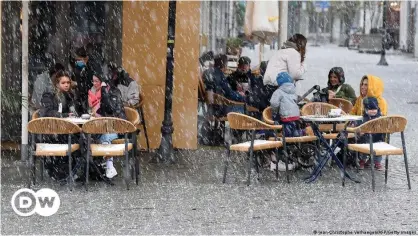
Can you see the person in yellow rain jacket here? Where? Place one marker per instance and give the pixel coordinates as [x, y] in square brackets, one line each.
[371, 90]
[370, 86]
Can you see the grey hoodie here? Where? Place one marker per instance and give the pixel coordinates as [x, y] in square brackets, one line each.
[284, 100]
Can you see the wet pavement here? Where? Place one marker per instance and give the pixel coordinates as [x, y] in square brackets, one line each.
[189, 197]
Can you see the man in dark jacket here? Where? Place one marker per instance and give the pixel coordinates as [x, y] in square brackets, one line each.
[242, 76]
[83, 72]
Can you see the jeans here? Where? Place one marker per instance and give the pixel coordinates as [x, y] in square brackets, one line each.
[108, 138]
[238, 109]
[376, 138]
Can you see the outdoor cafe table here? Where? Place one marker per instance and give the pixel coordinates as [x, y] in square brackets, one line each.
[341, 137]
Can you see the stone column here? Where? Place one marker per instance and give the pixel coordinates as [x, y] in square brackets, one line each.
[403, 27]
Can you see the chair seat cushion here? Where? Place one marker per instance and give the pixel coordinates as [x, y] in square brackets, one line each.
[49, 149]
[302, 139]
[258, 145]
[334, 135]
[109, 149]
[380, 148]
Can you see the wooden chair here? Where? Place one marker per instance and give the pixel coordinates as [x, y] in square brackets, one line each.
[51, 126]
[35, 115]
[382, 125]
[268, 118]
[319, 108]
[140, 109]
[239, 121]
[108, 125]
[345, 105]
[133, 117]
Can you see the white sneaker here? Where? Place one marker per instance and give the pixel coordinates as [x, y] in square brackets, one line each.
[282, 166]
[111, 172]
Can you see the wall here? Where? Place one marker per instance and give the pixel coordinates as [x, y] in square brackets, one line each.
[144, 46]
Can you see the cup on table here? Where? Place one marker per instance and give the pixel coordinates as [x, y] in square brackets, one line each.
[85, 116]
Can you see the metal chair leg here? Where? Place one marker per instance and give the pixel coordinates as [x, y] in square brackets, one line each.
[127, 164]
[31, 173]
[357, 157]
[405, 159]
[34, 171]
[386, 169]
[87, 162]
[251, 156]
[145, 127]
[41, 168]
[71, 179]
[372, 162]
[287, 167]
[277, 162]
[137, 170]
[344, 159]
[226, 163]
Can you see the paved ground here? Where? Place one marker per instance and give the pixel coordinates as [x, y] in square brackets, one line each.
[189, 198]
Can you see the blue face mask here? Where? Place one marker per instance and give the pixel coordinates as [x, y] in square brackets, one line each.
[80, 64]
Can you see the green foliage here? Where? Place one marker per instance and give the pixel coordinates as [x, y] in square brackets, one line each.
[234, 42]
[233, 45]
[11, 101]
[240, 15]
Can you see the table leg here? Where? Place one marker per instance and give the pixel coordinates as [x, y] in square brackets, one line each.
[332, 155]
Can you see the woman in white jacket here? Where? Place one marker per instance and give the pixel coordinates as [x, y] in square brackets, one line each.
[288, 59]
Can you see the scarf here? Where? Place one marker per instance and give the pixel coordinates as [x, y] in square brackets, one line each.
[289, 44]
[94, 98]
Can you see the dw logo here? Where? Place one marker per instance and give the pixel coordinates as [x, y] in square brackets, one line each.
[45, 202]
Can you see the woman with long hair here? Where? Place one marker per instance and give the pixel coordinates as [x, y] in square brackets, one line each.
[290, 58]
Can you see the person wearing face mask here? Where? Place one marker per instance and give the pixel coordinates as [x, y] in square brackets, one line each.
[83, 72]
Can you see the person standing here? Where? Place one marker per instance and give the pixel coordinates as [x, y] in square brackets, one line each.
[290, 58]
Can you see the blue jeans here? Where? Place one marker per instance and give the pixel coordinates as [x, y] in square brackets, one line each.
[108, 138]
[238, 109]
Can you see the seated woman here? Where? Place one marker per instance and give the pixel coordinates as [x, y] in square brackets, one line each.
[105, 100]
[128, 87]
[58, 103]
[337, 87]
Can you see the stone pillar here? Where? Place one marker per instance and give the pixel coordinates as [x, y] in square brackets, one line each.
[403, 27]
[336, 28]
[416, 31]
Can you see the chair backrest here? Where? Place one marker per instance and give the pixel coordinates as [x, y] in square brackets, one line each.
[243, 122]
[52, 125]
[107, 125]
[322, 108]
[141, 101]
[35, 115]
[384, 125]
[268, 116]
[132, 115]
[221, 100]
[345, 105]
[202, 90]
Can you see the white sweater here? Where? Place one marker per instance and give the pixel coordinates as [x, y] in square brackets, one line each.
[285, 60]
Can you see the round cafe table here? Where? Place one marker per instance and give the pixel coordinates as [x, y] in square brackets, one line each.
[341, 138]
